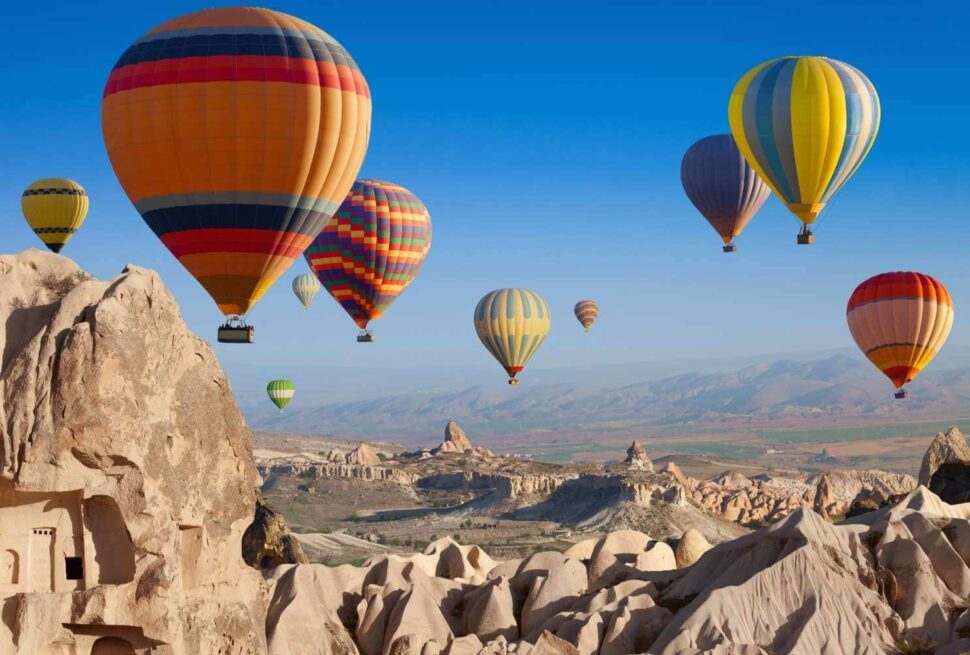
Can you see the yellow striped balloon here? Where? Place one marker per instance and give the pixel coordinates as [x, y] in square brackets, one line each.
[512, 324]
[54, 208]
[805, 124]
[586, 312]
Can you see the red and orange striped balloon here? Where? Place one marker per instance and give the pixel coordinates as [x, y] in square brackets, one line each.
[236, 132]
[900, 321]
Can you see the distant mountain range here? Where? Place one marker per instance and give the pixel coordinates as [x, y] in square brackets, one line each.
[835, 386]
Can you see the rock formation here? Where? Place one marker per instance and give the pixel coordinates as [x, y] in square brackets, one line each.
[636, 458]
[267, 542]
[947, 446]
[951, 482]
[690, 548]
[894, 580]
[824, 498]
[126, 472]
[457, 442]
[363, 455]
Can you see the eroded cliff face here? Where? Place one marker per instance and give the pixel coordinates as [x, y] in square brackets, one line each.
[126, 472]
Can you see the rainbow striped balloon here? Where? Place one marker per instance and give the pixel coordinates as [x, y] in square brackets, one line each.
[805, 124]
[236, 132]
[511, 324]
[372, 249]
[900, 321]
[586, 312]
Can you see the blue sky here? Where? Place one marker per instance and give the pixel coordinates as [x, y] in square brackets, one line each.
[545, 139]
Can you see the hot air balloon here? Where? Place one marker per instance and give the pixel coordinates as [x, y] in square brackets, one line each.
[371, 250]
[722, 185]
[805, 124]
[512, 324]
[586, 312]
[306, 288]
[236, 132]
[900, 321]
[54, 208]
[280, 392]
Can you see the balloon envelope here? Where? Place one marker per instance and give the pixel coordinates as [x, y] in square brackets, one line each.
[280, 392]
[306, 288]
[372, 249]
[805, 124]
[55, 208]
[586, 312]
[236, 132]
[511, 324]
[722, 185]
[900, 321]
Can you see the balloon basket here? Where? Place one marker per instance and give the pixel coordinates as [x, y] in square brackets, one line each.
[902, 393]
[235, 330]
[365, 337]
[729, 248]
[806, 238]
[513, 381]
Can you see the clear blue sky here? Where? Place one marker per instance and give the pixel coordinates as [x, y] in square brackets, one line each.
[545, 138]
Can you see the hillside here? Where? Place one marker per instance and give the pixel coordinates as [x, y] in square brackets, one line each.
[779, 391]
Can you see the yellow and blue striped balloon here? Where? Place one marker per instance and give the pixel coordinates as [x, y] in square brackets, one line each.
[805, 124]
[511, 324]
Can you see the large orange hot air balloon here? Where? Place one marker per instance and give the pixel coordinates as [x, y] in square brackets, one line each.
[900, 321]
[236, 132]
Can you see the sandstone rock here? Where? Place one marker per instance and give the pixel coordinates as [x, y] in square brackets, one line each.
[624, 542]
[418, 612]
[951, 482]
[690, 548]
[947, 446]
[550, 644]
[551, 594]
[363, 455]
[636, 457]
[489, 611]
[267, 542]
[671, 469]
[824, 498]
[581, 550]
[302, 618]
[121, 448]
[456, 441]
[658, 557]
[467, 645]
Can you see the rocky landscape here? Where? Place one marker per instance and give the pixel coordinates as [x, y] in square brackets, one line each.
[130, 522]
[414, 497]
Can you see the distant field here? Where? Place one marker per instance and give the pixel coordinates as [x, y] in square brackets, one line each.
[863, 432]
[891, 446]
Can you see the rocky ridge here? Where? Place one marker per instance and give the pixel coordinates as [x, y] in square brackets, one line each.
[123, 453]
